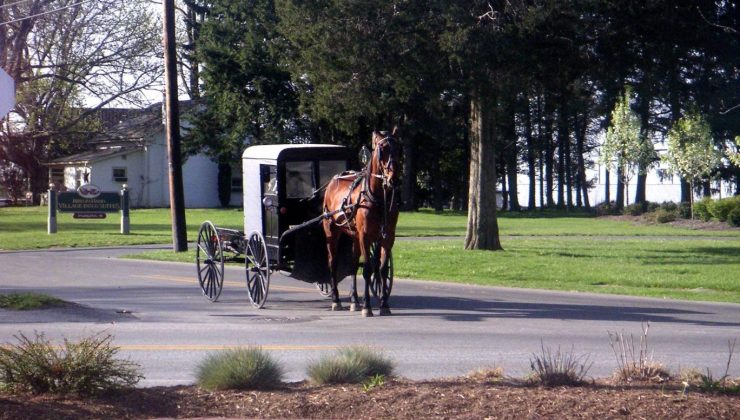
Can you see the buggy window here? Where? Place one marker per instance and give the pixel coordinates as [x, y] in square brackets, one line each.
[299, 179]
[329, 168]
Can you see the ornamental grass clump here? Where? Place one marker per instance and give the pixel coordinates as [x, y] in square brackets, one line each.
[239, 368]
[557, 368]
[86, 367]
[635, 360]
[350, 365]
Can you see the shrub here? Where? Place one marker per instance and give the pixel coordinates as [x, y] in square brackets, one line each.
[733, 219]
[605, 209]
[240, 368]
[635, 362]
[684, 211]
[701, 209]
[87, 367]
[721, 209]
[664, 216]
[635, 209]
[669, 206]
[350, 365]
[555, 369]
[651, 207]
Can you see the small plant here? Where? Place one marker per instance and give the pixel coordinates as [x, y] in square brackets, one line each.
[555, 369]
[701, 209]
[664, 216]
[28, 301]
[240, 368]
[86, 367]
[350, 365]
[636, 362]
[375, 381]
[733, 218]
[708, 383]
[487, 375]
[635, 209]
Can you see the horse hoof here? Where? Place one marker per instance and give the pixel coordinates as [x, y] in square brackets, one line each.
[367, 313]
[336, 307]
[384, 311]
[353, 307]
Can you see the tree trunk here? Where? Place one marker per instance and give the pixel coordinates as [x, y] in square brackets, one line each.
[619, 205]
[607, 193]
[549, 154]
[686, 192]
[530, 156]
[482, 228]
[580, 140]
[562, 139]
[408, 187]
[640, 189]
[511, 154]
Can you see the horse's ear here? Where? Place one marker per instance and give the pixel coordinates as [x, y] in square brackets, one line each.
[395, 131]
[376, 138]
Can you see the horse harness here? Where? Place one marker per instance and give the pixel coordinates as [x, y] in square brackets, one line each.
[349, 209]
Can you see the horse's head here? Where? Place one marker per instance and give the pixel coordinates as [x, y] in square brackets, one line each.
[386, 155]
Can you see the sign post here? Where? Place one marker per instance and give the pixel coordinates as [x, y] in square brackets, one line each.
[7, 93]
[51, 226]
[125, 227]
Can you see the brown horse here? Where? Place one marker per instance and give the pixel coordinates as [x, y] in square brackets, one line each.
[365, 204]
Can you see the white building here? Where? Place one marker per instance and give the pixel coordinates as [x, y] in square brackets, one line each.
[134, 152]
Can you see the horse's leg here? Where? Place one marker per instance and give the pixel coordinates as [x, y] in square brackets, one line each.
[367, 272]
[385, 308]
[332, 241]
[353, 293]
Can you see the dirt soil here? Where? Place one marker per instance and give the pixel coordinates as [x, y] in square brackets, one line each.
[398, 398]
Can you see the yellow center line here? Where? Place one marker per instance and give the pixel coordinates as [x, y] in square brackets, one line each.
[193, 280]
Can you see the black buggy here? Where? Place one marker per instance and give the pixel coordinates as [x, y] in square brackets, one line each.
[283, 196]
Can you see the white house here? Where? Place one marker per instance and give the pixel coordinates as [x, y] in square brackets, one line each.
[134, 152]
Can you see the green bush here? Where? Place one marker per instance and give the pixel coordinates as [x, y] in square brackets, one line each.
[664, 216]
[350, 365]
[733, 219]
[635, 209]
[720, 209]
[87, 367]
[684, 210]
[701, 209]
[605, 209]
[651, 207]
[240, 368]
[669, 206]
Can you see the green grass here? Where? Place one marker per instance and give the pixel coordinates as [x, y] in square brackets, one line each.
[694, 269]
[546, 250]
[28, 301]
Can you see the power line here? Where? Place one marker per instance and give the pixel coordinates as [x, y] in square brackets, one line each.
[42, 13]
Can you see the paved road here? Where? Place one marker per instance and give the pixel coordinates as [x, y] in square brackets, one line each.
[160, 320]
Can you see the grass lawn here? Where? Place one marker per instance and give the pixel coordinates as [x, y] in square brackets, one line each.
[544, 250]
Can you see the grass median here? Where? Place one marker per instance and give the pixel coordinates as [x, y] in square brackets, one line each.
[546, 250]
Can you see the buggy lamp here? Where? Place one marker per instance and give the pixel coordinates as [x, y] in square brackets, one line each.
[283, 210]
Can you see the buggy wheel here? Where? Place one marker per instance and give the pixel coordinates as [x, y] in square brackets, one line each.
[209, 259]
[258, 269]
[386, 272]
[324, 289]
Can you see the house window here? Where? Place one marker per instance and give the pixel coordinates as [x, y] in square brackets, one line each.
[236, 184]
[119, 175]
[56, 176]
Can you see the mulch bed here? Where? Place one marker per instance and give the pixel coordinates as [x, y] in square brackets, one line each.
[398, 398]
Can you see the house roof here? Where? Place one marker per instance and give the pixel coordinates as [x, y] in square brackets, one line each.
[84, 158]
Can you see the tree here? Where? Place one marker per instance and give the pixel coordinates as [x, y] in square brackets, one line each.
[69, 59]
[624, 146]
[691, 152]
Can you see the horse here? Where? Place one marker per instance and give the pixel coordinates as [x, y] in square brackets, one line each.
[364, 206]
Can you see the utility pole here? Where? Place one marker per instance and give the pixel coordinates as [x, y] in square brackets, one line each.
[172, 131]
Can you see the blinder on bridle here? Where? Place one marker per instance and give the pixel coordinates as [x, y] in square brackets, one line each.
[390, 142]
